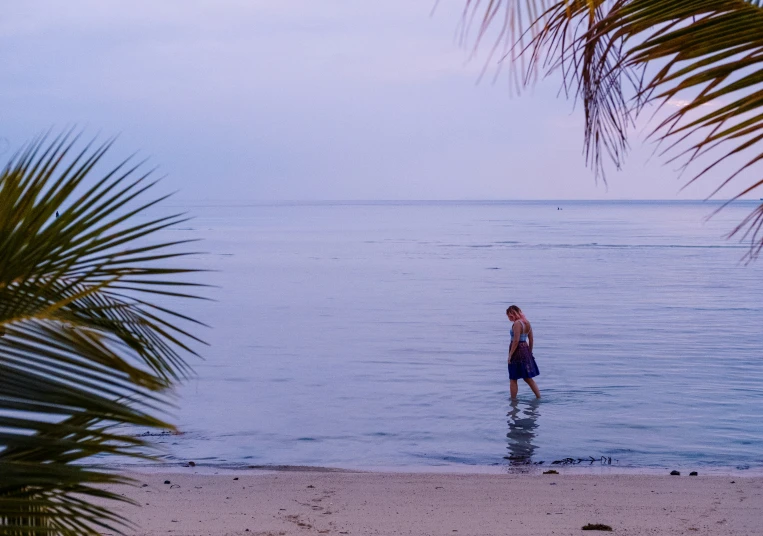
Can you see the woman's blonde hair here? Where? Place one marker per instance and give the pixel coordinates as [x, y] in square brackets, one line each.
[516, 310]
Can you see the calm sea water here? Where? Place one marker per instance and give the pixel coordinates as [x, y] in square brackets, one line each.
[374, 335]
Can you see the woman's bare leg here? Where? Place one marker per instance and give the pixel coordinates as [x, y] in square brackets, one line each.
[533, 386]
[513, 388]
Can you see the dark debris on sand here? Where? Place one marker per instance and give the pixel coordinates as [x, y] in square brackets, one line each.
[596, 526]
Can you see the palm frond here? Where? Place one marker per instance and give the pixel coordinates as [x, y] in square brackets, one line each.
[84, 349]
[618, 56]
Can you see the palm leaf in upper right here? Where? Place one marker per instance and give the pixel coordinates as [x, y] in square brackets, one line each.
[617, 56]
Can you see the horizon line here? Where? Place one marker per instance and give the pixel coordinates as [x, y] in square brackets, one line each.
[366, 201]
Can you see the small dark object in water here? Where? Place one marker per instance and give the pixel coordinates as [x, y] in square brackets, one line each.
[596, 526]
[144, 486]
[163, 433]
[693, 473]
[310, 486]
[675, 473]
[733, 481]
[191, 464]
[551, 472]
[236, 478]
[167, 482]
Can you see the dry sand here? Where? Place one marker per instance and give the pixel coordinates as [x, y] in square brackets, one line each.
[311, 502]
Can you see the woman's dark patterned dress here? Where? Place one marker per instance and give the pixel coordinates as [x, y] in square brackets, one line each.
[522, 364]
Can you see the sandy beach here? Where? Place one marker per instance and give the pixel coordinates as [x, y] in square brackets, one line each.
[342, 502]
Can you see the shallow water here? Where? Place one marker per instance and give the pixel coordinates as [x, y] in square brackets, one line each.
[374, 335]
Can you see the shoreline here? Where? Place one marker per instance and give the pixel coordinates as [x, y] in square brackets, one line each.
[267, 502]
[456, 469]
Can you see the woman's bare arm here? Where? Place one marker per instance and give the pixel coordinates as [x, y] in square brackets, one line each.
[530, 338]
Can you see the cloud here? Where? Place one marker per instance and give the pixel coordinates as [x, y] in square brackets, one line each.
[682, 103]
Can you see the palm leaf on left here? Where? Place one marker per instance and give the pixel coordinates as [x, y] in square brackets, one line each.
[86, 346]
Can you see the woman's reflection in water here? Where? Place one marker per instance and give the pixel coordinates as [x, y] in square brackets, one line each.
[523, 417]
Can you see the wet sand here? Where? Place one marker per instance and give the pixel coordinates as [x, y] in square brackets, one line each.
[312, 502]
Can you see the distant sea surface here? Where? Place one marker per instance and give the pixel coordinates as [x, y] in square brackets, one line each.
[374, 335]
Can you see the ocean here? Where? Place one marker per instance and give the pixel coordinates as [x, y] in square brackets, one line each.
[373, 335]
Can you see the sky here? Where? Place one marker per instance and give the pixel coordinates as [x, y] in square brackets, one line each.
[267, 100]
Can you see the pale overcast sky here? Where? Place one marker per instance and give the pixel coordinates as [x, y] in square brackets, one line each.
[301, 100]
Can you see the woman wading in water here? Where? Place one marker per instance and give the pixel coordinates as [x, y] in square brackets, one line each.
[521, 361]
